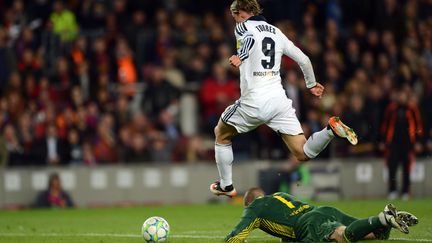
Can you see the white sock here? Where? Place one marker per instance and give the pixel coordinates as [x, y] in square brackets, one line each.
[382, 219]
[317, 142]
[224, 159]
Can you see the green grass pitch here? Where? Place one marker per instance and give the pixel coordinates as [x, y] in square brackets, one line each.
[189, 223]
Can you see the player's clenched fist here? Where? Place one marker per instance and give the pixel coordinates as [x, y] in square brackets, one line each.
[317, 90]
[235, 61]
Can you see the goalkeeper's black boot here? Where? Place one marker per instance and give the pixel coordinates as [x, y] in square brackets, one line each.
[407, 217]
[390, 216]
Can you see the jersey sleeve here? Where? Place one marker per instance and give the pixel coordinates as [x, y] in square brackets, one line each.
[245, 40]
[248, 222]
[302, 60]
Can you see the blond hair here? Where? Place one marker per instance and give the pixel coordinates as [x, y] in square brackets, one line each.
[249, 6]
[251, 195]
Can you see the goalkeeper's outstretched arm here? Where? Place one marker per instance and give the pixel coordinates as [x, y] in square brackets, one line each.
[248, 222]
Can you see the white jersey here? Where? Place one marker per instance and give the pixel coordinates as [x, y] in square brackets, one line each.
[260, 46]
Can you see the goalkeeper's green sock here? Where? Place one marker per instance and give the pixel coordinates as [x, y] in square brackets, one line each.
[358, 229]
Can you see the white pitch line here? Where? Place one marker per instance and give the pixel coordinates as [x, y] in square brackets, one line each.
[407, 239]
[171, 236]
[72, 235]
[205, 232]
[115, 235]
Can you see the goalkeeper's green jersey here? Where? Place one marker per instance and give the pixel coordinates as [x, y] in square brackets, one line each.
[275, 214]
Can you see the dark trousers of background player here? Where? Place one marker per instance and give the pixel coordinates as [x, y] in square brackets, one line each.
[400, 155]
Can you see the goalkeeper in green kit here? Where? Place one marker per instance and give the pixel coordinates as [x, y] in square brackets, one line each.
[284, 216]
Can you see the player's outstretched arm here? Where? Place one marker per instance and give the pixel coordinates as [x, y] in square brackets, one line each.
[317, 90]
[248, 222]
[305, 65]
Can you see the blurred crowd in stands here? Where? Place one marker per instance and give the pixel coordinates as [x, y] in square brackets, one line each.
[102, 81]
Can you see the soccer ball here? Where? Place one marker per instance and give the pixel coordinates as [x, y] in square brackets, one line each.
[155, 229]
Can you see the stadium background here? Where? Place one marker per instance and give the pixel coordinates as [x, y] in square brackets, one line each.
[133, 83]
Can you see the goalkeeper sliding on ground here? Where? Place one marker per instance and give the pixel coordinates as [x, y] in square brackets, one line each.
[283, 216]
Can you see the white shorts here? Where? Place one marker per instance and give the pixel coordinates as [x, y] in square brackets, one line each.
[276, 112]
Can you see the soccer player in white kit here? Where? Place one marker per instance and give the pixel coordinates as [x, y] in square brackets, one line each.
[260, 47]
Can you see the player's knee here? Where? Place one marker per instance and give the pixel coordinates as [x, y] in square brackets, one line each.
[222, 137]
[301, 156]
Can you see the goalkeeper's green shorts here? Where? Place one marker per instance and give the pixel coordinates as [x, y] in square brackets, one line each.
[319, 224]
